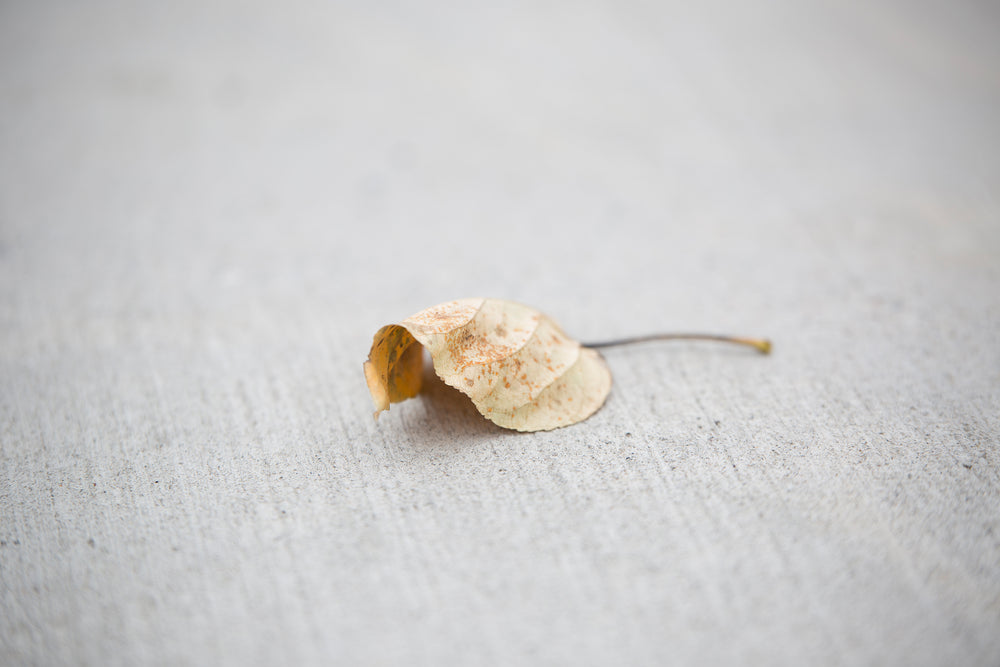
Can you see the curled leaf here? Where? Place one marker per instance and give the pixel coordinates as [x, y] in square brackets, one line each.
[518, 367]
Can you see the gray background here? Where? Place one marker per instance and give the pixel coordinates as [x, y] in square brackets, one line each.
[207, 209]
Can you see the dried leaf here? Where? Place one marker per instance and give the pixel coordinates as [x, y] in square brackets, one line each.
[518, 367]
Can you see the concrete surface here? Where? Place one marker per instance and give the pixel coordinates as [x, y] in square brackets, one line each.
[207, 209]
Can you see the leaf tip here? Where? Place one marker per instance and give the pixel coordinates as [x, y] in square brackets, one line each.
[377, 388]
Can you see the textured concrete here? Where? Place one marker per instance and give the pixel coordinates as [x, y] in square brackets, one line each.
[207, 209]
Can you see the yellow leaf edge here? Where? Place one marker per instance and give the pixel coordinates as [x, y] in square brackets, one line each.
[395, 366]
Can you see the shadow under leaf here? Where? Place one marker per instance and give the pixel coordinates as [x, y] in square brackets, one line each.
[447, 414]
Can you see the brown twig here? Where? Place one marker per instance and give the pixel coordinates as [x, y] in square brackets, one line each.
[762, 345]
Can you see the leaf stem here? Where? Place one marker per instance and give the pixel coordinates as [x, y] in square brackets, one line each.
[762, 345]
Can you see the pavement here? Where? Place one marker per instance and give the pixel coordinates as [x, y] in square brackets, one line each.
[208, 209]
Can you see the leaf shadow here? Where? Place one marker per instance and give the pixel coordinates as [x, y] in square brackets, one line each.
[448, 414]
